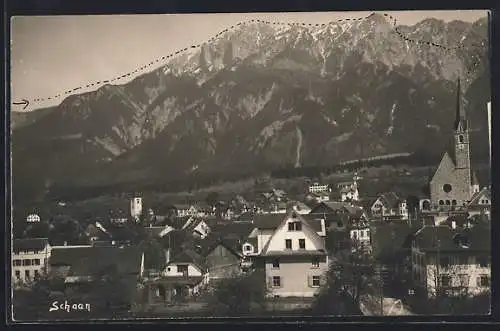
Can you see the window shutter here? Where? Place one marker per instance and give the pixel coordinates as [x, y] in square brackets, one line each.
[478, 281]
[281, 282]
[322, 280]
[270, 282]
[309, 281]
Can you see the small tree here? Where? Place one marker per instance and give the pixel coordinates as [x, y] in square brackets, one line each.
[239, 296]
[351, 275]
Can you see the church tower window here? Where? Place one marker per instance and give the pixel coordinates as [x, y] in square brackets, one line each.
[461, 139]
[447, 188]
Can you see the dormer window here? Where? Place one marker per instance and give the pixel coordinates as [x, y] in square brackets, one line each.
[294, 226]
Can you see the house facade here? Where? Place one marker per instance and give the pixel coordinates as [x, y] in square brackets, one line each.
[291, 252]
[317, 187]
[389, 205]
[223, 260]
[451, 262]
[29, 259]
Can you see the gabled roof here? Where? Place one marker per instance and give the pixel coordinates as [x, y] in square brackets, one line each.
[246, 217]
[182, 206]
[180, 222]
[93, 231]
[313, 221]
[190, 256]
[154, 231]
[391, 239]
[174, 240]
[306, 228]
[31, 244]
[476, 197]
[268, 221]
[432, 238]
[91, 260]
[235, 230]
[390, 200]
[213, 241]
[446, 162]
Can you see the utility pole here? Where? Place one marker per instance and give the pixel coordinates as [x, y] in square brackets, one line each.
[381, 290]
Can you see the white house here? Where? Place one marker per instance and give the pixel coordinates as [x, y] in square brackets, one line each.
[317, 187]
[29, 259]
[136, 207]
[450, 261]
[388, 205]
[480, 202]
[291, 252]
[197, 227]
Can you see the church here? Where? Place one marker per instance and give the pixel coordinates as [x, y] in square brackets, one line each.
[454, 181]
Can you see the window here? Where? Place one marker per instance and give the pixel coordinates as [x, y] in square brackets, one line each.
[35, 262]
[447, 202]
[26, 262]
[315, 281]
[482, 261]
[441, 202]
[276, 264]
[454, 202]
[461, 139]
[483, 281]
[276, 281]
[444, 261]
[302, 243]
[464, 280]
[315, 262]
[447, 188]
[294, 226]
[288, 243]
[445, 280]
[248, 248]
[16, 262]
[182, 268]
[37, 274]
[27, 274]
[18, 274]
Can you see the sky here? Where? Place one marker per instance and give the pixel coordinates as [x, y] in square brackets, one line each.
[52, 54]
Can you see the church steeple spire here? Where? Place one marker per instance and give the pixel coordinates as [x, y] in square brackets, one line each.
[460, 117]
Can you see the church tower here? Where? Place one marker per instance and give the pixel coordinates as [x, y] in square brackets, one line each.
[452, 182]
[462, 142]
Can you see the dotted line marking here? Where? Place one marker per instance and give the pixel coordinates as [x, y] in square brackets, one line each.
[301, 24]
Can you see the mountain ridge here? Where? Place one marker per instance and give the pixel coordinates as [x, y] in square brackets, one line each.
[352, 92]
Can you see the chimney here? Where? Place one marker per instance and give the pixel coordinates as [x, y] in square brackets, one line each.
[167, 255]
[65, 243]
[453, 225]
[489, 126]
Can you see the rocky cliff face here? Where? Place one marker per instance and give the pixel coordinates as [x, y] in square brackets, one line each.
[264, 95]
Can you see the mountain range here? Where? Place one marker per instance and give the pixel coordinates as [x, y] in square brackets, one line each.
[262, 96]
